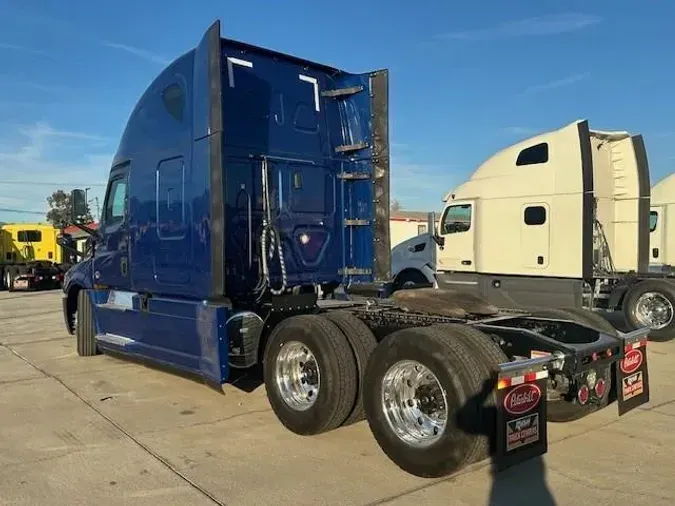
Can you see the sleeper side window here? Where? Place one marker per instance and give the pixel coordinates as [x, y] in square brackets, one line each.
[456, 219]
[653, 220]
[174, 101]
[533, 155]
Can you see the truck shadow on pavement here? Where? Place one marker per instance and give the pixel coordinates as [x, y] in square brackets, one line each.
[521, 484]
[524, 483]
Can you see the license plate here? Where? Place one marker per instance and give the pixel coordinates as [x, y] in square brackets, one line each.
[21, 283]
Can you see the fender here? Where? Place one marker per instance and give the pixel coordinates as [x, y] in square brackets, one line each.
[77, 278]
[618, 294]
[418, 253]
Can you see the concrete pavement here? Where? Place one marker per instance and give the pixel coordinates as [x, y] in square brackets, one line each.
[104, 431]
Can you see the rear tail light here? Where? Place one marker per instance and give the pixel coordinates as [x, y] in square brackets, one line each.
[600, 387]
[583, 394]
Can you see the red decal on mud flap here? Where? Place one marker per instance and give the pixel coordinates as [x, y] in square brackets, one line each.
[632, 376]
[521, 419]
[632, 361]
[522, 399]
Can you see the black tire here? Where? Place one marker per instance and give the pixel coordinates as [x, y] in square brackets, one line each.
[337, 373]
[362, 342]
[410, 279]
[489, 355]
[9, 280]
[459, 374]
[561, 411]
[663, 288]
[84, 331]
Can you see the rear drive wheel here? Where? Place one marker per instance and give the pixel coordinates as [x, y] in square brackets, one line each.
[84, 329]
[310, 374]
[362, 342]
[489, 355]
[651, 303]
[421, 395]
[568, 410]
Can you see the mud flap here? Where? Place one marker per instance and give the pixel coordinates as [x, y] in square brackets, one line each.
[521, 411]
[632, 374]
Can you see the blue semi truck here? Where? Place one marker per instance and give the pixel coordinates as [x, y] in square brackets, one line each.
[246, 225]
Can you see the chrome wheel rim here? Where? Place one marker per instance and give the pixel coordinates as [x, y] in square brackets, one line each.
[653, 310]
[414, 403]
[297, 376]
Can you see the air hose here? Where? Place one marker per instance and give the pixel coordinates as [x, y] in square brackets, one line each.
[271, 232]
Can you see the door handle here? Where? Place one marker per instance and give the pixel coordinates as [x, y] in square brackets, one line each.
[124, 266]
[466, 262]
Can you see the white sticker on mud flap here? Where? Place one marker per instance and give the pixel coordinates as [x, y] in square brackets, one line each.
[522, 431]
[633, 385]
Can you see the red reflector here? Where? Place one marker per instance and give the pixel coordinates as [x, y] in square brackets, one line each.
[600, 387]
[583, 394]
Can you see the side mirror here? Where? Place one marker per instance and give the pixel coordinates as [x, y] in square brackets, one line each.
[78, 204]
[68, 244]
[64, 240]
[431, 227]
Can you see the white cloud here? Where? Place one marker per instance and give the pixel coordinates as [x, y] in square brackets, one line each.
[141, 53]
[558, 83]
[30, 168]
[23, 49]
[420, 187]
[518, 130]
[530, 27]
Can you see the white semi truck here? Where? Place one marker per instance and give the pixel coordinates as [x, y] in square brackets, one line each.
[557, 220]
[662, 218]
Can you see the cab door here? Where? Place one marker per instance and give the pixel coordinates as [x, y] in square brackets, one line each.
[111, 262]
[657, 246]
[457, 227]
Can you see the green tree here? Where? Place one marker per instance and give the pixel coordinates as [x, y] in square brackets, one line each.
[59, 209]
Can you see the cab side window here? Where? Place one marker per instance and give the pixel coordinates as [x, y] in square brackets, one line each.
[456, 219]
[115, 209]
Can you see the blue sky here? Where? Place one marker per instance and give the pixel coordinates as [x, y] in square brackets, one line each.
[466, 79]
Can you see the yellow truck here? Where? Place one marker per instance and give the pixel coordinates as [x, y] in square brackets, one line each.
[30, 257]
